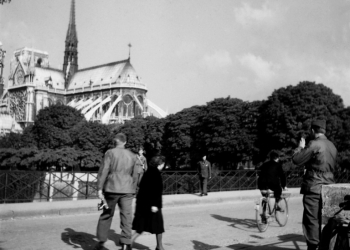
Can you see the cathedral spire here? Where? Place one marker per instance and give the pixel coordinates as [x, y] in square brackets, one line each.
[70, 62]
[71, 32]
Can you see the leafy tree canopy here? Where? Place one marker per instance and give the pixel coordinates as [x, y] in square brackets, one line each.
[53, 125]
[220, 132]
[178, 136]
[288, 112]
[134, 130]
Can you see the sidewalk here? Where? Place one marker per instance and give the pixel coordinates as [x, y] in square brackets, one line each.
[43, 209]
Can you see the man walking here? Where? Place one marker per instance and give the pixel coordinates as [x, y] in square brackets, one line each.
[204, 171]
[116, 181]
[319, 158]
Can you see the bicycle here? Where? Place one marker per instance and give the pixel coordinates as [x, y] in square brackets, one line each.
[265, 212]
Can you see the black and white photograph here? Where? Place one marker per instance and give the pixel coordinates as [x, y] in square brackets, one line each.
[175, 124]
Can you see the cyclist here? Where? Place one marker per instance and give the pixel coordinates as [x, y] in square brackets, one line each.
[272, 177]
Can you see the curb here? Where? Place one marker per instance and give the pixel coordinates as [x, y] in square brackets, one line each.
[61, 208]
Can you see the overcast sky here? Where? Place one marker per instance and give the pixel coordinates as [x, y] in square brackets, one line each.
[189, 52]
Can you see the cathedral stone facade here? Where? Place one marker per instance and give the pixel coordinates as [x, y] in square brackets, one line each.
[109, 93]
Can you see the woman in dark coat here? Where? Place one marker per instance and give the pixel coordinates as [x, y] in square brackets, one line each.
[148, 212]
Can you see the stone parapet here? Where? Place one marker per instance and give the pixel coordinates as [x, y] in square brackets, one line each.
[334, 197]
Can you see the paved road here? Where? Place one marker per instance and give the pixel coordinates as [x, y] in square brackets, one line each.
[198, 227]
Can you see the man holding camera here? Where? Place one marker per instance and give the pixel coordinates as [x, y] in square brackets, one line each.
[319, 159]
[116, 181]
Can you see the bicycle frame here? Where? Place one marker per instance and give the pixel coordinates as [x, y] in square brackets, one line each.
[267, 209]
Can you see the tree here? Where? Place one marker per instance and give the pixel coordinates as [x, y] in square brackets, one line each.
[91, 140]
[11, 140]
[249, 127]
[53, 125]
[91, 136]
[134, 130]
[153, 136]
[178, 137]
[67, 158]
[28, 137]
[220, 133]
[17, 159]
[343, 136]
[5, 154]
[4, 1]
[288, 112]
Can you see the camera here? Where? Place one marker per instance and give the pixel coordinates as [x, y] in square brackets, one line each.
[102, 205]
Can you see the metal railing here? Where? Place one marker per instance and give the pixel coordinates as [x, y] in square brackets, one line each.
[29, 186]
[35, 186]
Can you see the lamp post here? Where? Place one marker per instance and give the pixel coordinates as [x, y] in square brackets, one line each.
[2, 57]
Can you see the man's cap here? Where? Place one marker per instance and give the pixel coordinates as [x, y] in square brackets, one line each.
[319, 123]
[121, 137]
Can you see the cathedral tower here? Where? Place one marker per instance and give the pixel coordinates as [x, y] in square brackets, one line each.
[70, 63]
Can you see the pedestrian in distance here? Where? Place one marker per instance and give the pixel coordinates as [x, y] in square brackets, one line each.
[116, 182]
[204, 171]
[148, 212]
[272, 176]
[142, 158]
[319, 159]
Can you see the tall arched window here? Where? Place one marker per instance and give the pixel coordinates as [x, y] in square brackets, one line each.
[128, 106]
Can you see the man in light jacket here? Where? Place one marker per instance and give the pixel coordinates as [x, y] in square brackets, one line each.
[319, 159]
[117, 181]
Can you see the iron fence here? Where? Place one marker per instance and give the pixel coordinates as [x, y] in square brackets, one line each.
[35, 186]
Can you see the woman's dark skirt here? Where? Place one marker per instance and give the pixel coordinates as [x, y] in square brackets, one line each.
[149, 222]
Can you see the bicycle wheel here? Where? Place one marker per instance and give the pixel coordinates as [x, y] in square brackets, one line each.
[282, 215]
[261, 210]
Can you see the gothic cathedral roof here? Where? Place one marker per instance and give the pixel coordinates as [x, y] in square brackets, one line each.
[121, 72]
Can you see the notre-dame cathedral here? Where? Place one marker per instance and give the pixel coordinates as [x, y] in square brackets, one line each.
[108, 93]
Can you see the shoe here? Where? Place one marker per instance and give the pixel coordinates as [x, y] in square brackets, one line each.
[206, 194]
[279, 209]
[201, 194]
[98, 246]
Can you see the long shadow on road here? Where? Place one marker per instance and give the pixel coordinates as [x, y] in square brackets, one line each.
[283, 242]
[197, 245]
[242, 224]
[86, 241]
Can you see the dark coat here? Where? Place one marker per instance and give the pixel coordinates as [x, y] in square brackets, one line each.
[271, 176]
[204, 169]
[319, 159]
[150, 191]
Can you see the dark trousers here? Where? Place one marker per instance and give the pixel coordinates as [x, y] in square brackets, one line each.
[277, 192]
[203, 184]
[312, 219]
[124, 202]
